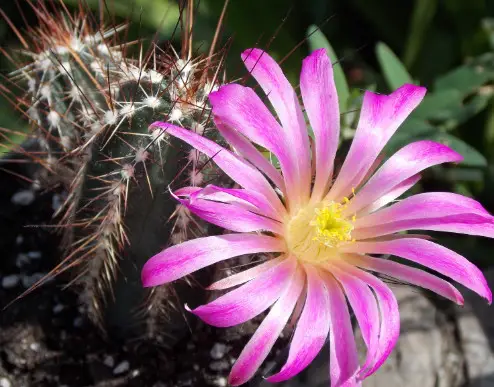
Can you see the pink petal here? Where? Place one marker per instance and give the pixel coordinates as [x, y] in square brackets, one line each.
[410, 275]
[244, 276]
[433, 256]
[231, 216]
[380, 116]
[321, 105]
[238, 170]
[343, 356]
[187, 191]
[249, 199]
[285, 101]
[364, 305]
[239, 107]
[249, 300]
[312, 329]
[258, 347]
[393, 194]
[404, 164]
[179, 260]
[248, 151]
[436, 211]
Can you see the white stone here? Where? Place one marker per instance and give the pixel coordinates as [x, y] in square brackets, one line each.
[28, 281]
[121, 368]
[58, 308]
[476, 330]
[34, 346]
[220, 365]
[23, 198]
[221, 382]
[109, 361]
[34, 254]
[21, 260]
[56, 202]
[4, 382]
[10, 281]
[218, 351]
[78, 322]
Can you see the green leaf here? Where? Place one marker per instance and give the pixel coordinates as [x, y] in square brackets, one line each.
[466, 79]
[413, 129]
[393, 70]
[154, 14]
[472, 157]
[488, 27]
[474, 106]
[316, 39]
[422, 16]
[489, 132]
[439, 105]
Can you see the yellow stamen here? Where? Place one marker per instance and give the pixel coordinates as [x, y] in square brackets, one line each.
[316, 232]
[331, 228]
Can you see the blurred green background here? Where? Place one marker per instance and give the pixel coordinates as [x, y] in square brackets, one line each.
[445, 45]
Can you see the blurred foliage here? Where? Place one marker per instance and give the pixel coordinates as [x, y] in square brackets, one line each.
[445, 45]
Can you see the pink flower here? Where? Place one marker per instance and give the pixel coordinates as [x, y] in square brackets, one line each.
[320, 232]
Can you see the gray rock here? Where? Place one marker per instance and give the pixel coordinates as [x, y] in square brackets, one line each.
[476, 331]
[426, 353]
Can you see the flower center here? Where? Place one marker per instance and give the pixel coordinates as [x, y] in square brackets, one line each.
[315, 232]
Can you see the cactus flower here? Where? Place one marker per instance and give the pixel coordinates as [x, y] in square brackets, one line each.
[323, 230]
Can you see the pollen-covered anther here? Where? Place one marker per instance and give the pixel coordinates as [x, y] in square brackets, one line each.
[315, 232]
[331, 227]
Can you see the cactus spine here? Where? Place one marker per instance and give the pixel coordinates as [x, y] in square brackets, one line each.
[91, 107]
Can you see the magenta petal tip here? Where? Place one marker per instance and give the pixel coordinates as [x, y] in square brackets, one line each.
[147, 278]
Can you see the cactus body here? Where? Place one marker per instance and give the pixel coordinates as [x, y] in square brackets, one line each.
[91, 108]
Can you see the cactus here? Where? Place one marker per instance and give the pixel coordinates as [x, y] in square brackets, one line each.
[90, 106]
